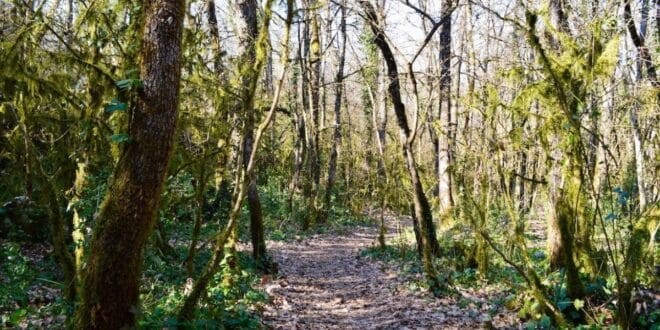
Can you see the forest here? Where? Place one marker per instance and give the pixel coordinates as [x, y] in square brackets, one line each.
[329, 164]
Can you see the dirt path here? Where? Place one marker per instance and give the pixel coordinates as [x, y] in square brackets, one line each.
[325, 284]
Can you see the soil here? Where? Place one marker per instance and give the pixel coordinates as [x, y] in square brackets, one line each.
[324, 283]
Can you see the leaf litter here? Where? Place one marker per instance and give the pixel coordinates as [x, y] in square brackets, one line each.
[324, 283]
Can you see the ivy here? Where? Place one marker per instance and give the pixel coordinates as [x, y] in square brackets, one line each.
[115, 105]
[120, 138]
[129, 84]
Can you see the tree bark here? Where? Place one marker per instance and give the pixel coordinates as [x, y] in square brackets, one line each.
[639, 40]
[632, 261]
[110, 282]
[568, 204]
[312, 127]
[642, 58]
[444, 145]
[420, 201]
[214, 34]
[247, 31]
[339, 89]
[243, 175]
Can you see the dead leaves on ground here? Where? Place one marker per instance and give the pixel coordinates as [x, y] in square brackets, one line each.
[324, 284]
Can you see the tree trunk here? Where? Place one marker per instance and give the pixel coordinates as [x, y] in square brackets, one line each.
[243, 175]
[639, 40]
[339, 83]
[110, 282]
[444, 144]
[568, 202]
[312, 127]
[421, 204]
[300, 148]
[247, 31]
[642, 58]
[380, 123]
[214, 34]
[632, 261]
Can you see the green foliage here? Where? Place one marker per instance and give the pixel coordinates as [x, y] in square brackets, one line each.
[115, 105]
[229, 304]
[120, 138]
[129, 84]
[17, 275]
[394, 252]
[26, 291]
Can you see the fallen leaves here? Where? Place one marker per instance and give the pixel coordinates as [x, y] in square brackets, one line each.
[324, 284]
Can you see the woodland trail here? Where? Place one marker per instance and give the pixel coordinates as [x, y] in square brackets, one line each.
[325, 284]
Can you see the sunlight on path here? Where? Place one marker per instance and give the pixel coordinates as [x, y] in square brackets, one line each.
[325, 284]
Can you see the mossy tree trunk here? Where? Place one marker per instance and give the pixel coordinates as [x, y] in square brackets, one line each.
[312, 128]
[110, 280]
[633, 260]
[420, 202]
[339, 89]
[569, 203]
[248, 31]
[225, 237]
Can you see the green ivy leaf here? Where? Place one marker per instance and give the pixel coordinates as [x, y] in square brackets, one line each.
[115, 105]
[544, 322]
[120, 138]
[127, 84]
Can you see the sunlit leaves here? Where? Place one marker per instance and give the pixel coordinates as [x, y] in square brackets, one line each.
[578, 304]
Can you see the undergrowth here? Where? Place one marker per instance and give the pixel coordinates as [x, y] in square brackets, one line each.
[30, 283]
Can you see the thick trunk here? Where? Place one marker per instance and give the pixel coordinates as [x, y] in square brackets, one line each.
[259, 253]
[311, 63]
[110, 282]
[555, 242]
[565, 213]
[416, 231]
[300, 151]
[422, 206]
[569, 201]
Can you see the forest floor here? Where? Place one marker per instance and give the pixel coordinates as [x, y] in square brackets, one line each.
[325, 283]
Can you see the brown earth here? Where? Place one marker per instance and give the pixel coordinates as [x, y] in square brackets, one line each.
[325, 284]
